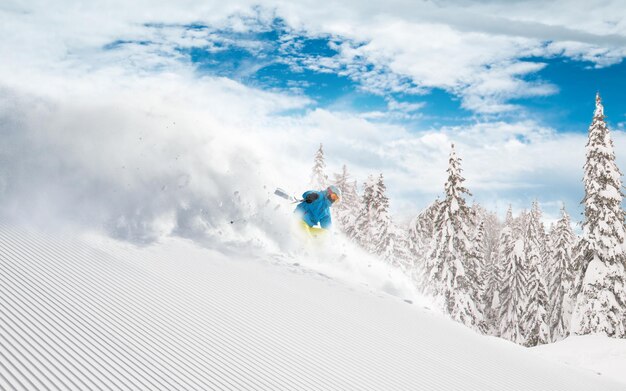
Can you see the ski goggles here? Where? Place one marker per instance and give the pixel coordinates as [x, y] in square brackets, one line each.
[333, 197]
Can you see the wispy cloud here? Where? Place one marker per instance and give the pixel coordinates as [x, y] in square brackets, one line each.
[475, 51]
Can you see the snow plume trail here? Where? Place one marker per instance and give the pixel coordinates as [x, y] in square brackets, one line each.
[149, 167]
[165, 155]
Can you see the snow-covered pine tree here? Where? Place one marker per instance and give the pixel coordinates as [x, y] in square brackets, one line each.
[513, 292]
[478, 248]
[535, 319]
[493, 277]
[348, 187]
[374, 229]
[520, 223]
[601, 304]
[578, 256]
[477, 271]
[364, 229]
[421, 233]
[349, 219]
[449, 256]
[402, 255]
[563, 240]
[422, 228]
[549, 269]
[319, 179]
[347, 209]
[492, 230]
[384, 238]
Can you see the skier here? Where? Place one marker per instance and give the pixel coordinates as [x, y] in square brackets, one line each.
[315, 208]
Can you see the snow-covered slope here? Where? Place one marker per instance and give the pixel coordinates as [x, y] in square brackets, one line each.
[91, 313]
[597, 353]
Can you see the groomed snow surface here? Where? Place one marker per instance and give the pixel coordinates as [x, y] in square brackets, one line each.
[92, 313]
[598, 354]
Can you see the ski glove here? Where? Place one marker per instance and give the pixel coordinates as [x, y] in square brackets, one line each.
[311, 197]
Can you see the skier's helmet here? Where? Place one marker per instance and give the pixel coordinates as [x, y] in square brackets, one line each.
[333, 193]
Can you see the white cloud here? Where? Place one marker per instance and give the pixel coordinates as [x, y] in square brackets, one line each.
[458, 46]
[471, 49]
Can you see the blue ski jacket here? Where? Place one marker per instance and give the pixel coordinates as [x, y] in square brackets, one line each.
[315, 208]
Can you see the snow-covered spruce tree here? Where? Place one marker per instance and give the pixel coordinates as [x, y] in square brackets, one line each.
[535, 320]
[349, 220]
[374, 229]
[493, 276]
[578, 258]
[348, 187]
[384, 238]
[477, 271]
[601, 304]
[422, 228]
[520, 223]
[319, 179]
[421, 233]
[478, 248]
[513, 292]
[364, 229]
[402, 255]
[563, 240]
[492, 229]
[549, 269]
[347, 209]
[449, 256]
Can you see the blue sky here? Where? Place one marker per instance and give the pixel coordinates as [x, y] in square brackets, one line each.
[272, 68]
[267, 64]
[572, 107]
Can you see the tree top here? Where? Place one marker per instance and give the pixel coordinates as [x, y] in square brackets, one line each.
[599, 112]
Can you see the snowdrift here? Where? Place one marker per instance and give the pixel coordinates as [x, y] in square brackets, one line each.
[93, 313]
[598, 354]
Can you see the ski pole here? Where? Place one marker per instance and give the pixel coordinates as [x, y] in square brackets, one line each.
[283, 194]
